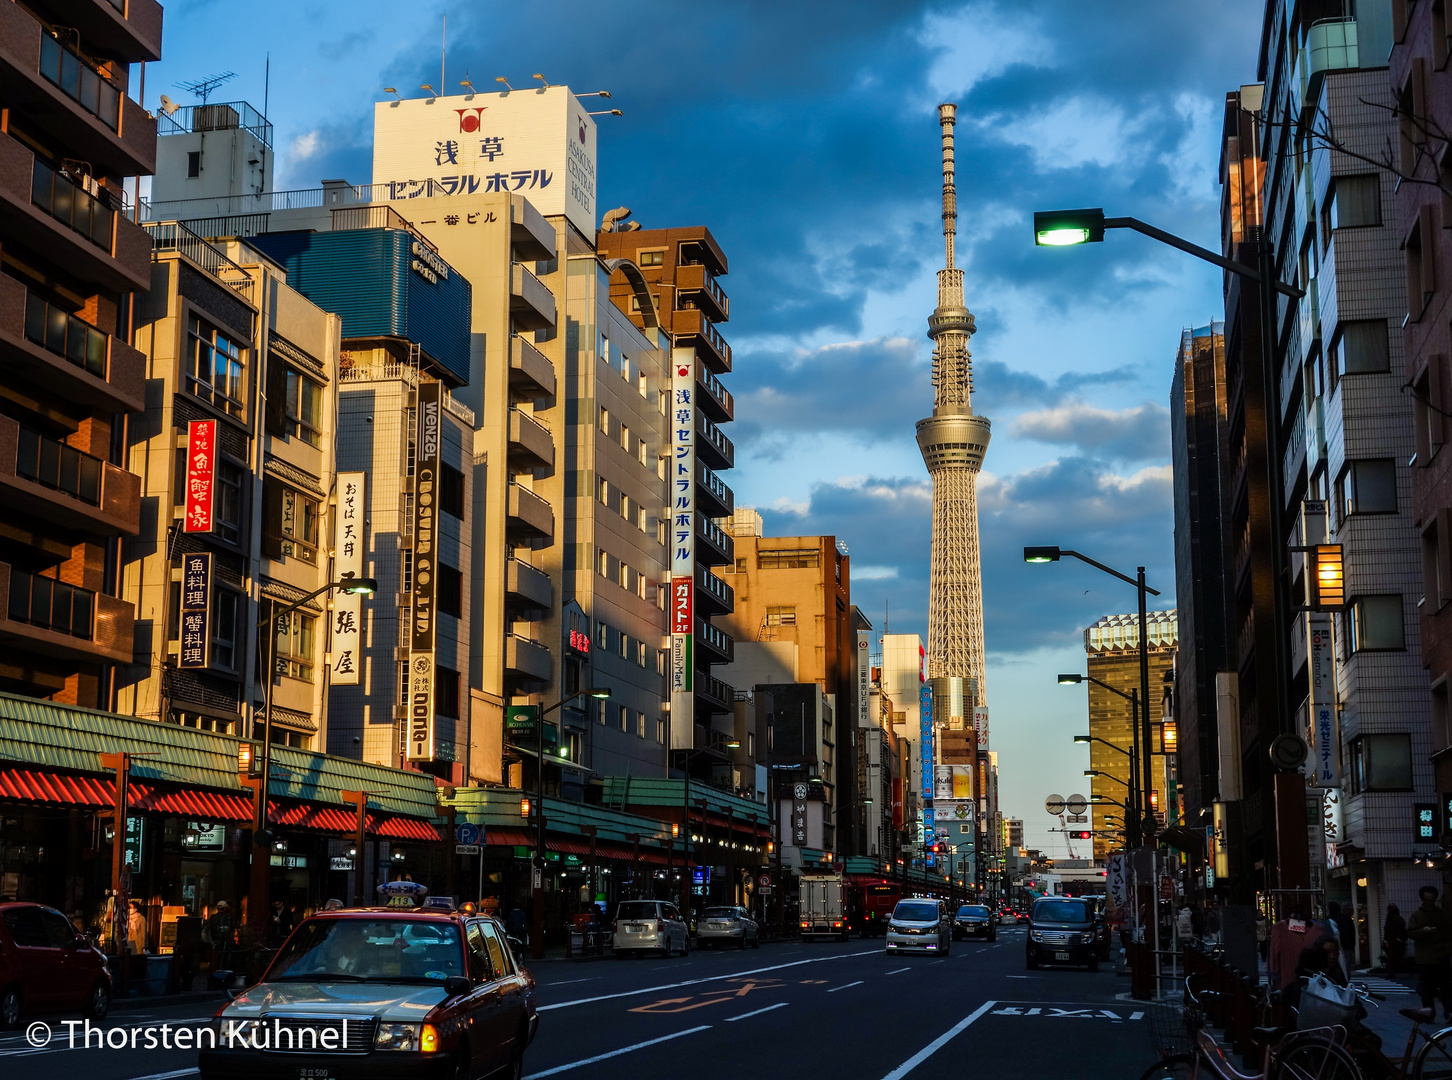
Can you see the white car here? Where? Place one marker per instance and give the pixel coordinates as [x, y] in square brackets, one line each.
[722, 926]
[650, 926]
[920, 925]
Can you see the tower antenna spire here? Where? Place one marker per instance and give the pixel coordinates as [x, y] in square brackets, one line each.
[947, 120]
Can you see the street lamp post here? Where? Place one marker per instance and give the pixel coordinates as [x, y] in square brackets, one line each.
[257, 914]
[1054, 554]
[1137, 827]
[536, 932]
[729, 744]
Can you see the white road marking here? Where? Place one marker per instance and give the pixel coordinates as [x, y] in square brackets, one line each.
[567, 982]
[697, 982]
[574, 1064]
[937, 1044]
[899, 971]
[845, 986]
[1021, 976]
[168, 1075]
[758, 1012]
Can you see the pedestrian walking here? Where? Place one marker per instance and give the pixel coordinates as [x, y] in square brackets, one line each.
[1184, 924]
[1430, 931]
[1212, 924]
[1262, 935]
[1394, 934]
[1345, 932]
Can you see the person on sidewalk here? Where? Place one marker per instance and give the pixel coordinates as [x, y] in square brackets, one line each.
[1262, 935]
[1430, 931]
[1394, 933]
[1184, 925]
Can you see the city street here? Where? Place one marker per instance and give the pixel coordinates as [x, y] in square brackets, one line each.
[842, 1009]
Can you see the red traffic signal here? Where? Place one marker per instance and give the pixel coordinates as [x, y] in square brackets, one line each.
[1080, 835]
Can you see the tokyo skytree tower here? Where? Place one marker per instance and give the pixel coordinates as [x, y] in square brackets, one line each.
[952, 442]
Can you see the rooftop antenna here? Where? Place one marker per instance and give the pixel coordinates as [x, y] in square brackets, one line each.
[203, 88]
[443, 53]
[266, 84]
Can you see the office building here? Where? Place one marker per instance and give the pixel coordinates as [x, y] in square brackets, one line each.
[73, 265]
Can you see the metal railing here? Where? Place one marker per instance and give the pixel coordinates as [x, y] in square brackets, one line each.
[716, 437]
[80, 82]
[57, 466]
[377, 217]
[221, 116]
[50, 604]
[714, 484]
[73, 206]
[56, 330]
[458, 408]
[174, 236]
[715, 389]
[379, 373]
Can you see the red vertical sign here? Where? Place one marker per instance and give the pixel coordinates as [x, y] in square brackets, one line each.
[201, 476]
[681, 605]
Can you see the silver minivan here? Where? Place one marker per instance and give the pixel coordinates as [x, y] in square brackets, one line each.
[650, 926]
[920, 924]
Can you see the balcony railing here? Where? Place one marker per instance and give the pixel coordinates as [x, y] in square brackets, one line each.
[50, 604]
[57, 466]
[57, 330]
[716, 587]
[72, 206]
[377, 217]
[174, 236]
[220, 116]
[716, 639]
[718, 538]
[716, 439]
[717, 391]
[716, 486]
[80, 82]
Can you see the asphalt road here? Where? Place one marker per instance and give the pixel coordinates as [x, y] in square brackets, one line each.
[798, 1010]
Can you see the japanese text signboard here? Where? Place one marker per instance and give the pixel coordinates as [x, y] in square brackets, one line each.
[925, 702]
[345, 657]
[1325, 744]
[864, 680]
[201, 476]
[196, 610]
[425, 575]
[681, 471]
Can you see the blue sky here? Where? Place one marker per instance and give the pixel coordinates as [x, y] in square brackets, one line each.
[804, 135]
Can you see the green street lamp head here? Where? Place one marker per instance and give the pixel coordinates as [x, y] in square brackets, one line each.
[599, 693]
[1070, 679]
[1083, 738]
[1040, 554]
[363, 586]
[732, 744]
[1065, 228]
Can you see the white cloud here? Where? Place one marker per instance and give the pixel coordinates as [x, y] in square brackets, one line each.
[1137, 433]
[1071, 133]
[978, 42]
[305, 145]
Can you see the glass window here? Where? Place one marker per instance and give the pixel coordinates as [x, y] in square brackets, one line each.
[604, 420]
[788, 558]
[304, 408]
[451, 491]
[224, 629]
[652, 258]
[450, 598]
[1381, 763]
[25, 926]
[376, 950]
[498, 951]
[215, 367]
[781, 616]
[1369, 487]
[917, 911]
[1376, 623]
[446, 692]
[295, 645]
[1355, 201]
[1361, 347]
[300, 515]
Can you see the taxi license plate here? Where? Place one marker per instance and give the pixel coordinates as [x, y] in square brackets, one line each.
[315, 1074]
[1061, 956]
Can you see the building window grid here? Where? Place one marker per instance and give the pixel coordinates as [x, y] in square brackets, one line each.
[300, 520]
[303, 409]
[216, 366]
[295, 635]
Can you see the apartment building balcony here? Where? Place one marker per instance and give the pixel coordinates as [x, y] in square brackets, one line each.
[692, 327]
[531, 305]
[530, 233]
[527, 659]
[77, 102]
[526, 587]
[129, 30]
[531, 446]
[713, 398]
[713, 595]
[698, 288]
[716, 499]
[527, 516]
[713, 696]
[712, 445]
[47, 479]
[714, 645]
[53, 214]
[531, 375]
[67, 356]
[716, 547]
[42, 615]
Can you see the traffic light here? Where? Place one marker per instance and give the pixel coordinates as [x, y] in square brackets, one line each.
[1080, 835]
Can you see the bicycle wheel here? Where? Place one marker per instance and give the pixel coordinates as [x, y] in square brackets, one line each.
[1315, 1059]
[1174, 1067]
[1434, 1060]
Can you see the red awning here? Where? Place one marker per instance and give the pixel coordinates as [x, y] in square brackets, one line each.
[402, 828]
[56, 788]
[193, 803]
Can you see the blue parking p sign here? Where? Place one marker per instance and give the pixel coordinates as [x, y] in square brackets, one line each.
[467, 833]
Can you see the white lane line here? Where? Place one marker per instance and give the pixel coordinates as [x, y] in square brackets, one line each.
[1020, 976]
[899, 971]
[590, 1060]
[168, 1075]
[758, 1012]
[937, 1044]
[845, 986]
[567, 982]
[697, 982]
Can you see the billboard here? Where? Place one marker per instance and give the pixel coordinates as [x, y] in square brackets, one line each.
[980, 725]
[682, 472]
[196, 610]
[345, 654]
[538, 143]
[201, 475]
[864, 679]
[420, 735]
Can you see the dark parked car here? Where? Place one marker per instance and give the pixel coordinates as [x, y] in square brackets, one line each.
[975, 920]
[47, 966]
[380, 992]
[1063, 930]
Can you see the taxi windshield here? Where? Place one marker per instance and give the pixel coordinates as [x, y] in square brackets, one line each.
[370, 950]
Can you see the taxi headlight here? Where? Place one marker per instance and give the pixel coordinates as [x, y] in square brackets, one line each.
[397, 1037]
[237, 1031]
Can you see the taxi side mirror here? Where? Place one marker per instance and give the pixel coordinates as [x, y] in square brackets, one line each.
[456, 985]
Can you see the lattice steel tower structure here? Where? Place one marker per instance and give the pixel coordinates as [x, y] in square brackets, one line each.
[953, 442]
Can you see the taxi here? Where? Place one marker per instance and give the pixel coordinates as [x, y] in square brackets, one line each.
[414, 989]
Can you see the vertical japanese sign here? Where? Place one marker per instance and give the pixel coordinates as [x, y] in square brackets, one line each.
[425, 575]
[682, 493]
[925, 709]
[980, 725]
[201, 469]
[864, 679]
[799, 814]
[196, 610]
[346, 653]
[1325, 742]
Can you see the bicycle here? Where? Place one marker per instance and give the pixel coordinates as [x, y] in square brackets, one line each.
[1315, 1054]
[1432, 1062]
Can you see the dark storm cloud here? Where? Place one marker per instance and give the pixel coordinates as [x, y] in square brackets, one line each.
[1141, 433]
